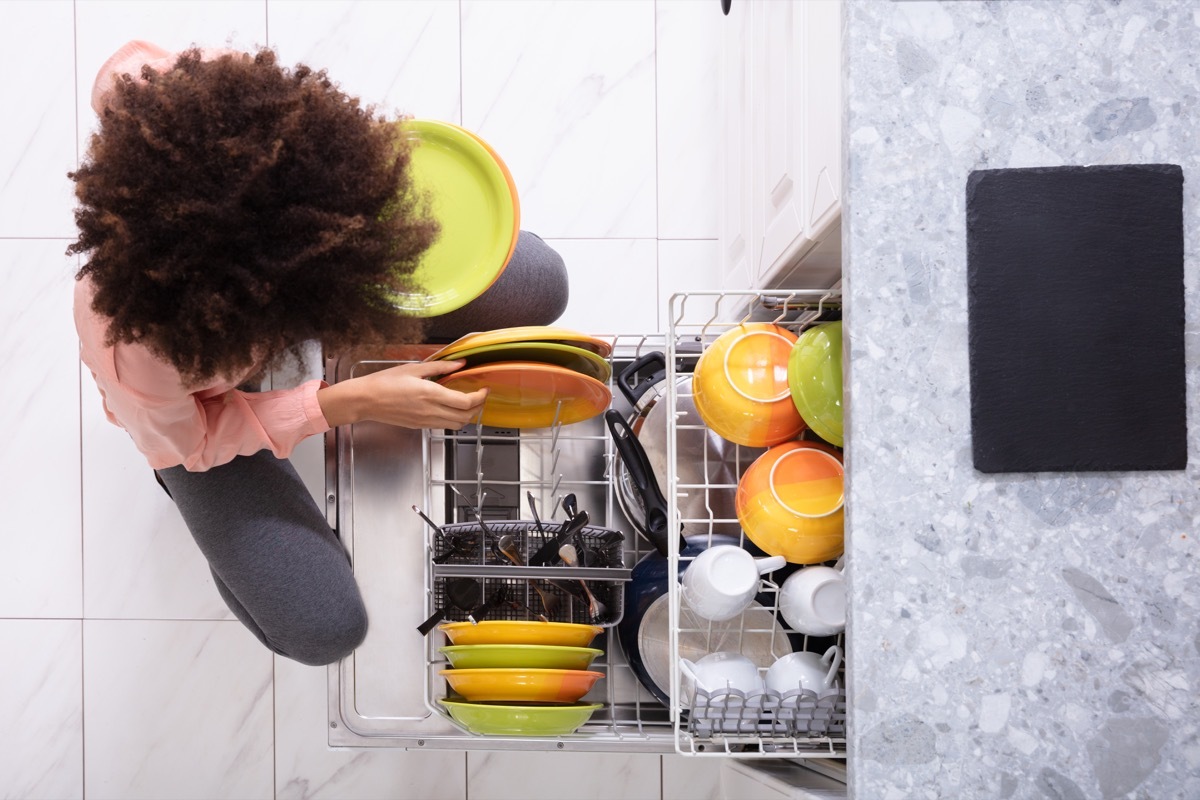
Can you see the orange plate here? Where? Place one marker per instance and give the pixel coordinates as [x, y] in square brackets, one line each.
[526, 394]
[526, 333]
[522, 685]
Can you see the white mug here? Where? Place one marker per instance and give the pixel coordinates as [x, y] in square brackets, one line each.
[813, 601]
[721, 582]
[718, 672]
[803, 670]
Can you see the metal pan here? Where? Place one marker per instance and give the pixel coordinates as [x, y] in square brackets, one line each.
[708, 466]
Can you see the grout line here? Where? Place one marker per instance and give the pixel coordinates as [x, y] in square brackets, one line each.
[40, 238]
[83, 789]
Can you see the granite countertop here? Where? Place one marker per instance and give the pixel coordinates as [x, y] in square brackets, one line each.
[1012, 635]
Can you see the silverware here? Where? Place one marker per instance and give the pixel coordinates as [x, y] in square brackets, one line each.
[465, 594]
[508, 547]
[567, 553]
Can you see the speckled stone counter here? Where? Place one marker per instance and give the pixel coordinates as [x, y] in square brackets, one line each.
[1012, 635]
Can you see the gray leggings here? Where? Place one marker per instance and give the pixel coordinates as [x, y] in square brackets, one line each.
[276, 562]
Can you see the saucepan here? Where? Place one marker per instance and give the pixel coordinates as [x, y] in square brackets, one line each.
[702, 457]
[644, 632]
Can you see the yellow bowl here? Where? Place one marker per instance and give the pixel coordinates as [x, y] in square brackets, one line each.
[791, 502]
[520, 685]
[506, 631]
[741, 386]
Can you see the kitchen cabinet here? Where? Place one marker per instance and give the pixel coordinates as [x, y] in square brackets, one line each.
[781, 175]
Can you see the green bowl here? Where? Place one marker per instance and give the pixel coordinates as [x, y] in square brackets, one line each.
[503, 720]
[815, 379]
[520, 656]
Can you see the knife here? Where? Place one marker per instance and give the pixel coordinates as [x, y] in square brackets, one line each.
[548, 552]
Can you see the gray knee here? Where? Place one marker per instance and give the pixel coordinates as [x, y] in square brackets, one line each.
[327, 637]
[532, 290]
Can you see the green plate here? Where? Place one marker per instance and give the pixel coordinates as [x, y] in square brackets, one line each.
[509, 656]
[471, 201]
[503, 720]
[573, 358]
[815, 380]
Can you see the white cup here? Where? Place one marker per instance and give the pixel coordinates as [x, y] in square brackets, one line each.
[803, 670]
[717, 672]
[813, 601]
[721, 582]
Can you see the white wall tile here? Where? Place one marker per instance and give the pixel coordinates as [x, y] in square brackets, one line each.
[139, 560]
[565, 94]
[40, 562]
[102, 26]
[553, 775]
[402, 57]
[37, 140]
[613, 285]
[688, 53]
[688, 266]
[41, 703]
[307, 768]
[176, 710]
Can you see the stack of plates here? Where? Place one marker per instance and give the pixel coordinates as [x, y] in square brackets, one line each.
[474, 199]
[513, 678]
[536, 376]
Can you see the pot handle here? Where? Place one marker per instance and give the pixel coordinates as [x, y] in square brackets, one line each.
[642, 475]
[633, 390]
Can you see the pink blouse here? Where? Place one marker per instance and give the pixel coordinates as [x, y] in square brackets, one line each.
[171, 424]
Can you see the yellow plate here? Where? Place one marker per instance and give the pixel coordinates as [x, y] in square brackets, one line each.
[526, 394]
[505, 631]
[526, 333]
[576, 359]
[512, 188]
[522, 685]
[476, 210]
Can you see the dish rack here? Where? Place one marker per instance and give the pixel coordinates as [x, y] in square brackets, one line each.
[481, 477]
[797, 723]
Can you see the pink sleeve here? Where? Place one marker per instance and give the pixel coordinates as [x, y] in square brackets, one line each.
[172, 426]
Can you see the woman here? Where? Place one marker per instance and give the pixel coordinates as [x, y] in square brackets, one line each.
[231, 210]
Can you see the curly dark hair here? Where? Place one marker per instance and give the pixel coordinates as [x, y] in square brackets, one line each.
[233, 209]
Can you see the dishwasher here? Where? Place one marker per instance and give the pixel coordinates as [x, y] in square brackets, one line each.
[378, 478]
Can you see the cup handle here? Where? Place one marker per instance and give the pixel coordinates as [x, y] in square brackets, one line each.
[770, 564]
[840, 564]
[834, 653]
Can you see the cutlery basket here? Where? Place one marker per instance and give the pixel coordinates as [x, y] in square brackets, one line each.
[470, 550]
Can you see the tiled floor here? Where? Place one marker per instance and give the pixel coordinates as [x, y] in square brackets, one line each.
[124, 674]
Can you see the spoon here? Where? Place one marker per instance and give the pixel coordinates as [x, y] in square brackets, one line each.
[508, 546]
[595, 608]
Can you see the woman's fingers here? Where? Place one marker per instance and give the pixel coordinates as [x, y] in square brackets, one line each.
[431, 369]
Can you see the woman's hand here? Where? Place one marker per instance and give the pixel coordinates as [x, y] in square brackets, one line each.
[401, 396]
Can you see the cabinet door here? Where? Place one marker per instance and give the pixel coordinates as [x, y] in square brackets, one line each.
[797, 172]
[739, 241]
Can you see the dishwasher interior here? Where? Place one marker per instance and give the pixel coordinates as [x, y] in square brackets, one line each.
[378, 477]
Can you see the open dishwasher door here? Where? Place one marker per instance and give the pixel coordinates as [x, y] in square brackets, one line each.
[386, 693]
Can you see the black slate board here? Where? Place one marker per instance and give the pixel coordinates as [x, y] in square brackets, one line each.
[1075, 284]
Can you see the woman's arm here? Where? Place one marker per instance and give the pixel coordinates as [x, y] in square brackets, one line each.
[401, 396]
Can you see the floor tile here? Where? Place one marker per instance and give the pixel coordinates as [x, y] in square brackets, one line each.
[613, 285]
[688, 55]
[565, 94]
[41, 703]
[177, 710]
[102, 26]
[522, 775]
[139, 561]
[37, 143]
[686, 267]
[692, 778]
[306, 767]
[402, 57]
[40, 561]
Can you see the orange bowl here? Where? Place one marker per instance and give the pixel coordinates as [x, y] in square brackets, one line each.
[791, 502]
[741, 386]
[517, 685]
